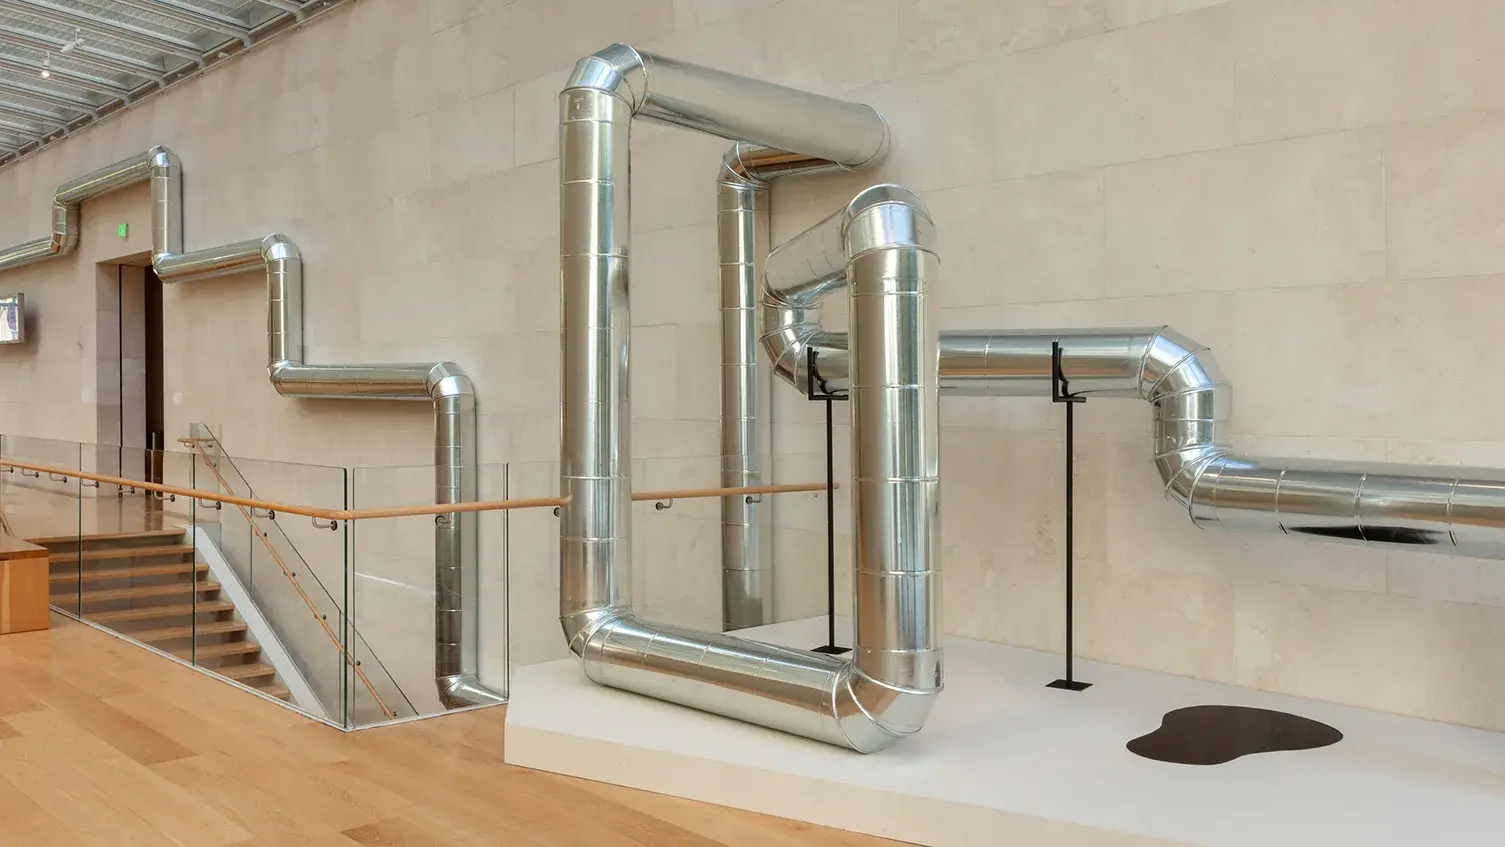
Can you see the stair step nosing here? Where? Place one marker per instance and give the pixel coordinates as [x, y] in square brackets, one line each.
[122, 553]
[250, 670]
[149, 612]
[133, 593]
[175, 632]
[106, 536]
[126, 573]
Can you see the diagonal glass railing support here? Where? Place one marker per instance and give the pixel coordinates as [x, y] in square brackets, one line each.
[275, 564]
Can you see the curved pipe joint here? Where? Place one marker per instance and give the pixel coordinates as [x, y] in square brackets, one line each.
[66, 202]
[736, 108]
[1458, 511]
[885, 691]
[466, 691]
[443, 383]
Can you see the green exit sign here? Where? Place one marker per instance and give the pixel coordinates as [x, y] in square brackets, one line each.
[123, 230]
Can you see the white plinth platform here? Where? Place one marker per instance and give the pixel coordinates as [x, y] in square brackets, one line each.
[1005, 760]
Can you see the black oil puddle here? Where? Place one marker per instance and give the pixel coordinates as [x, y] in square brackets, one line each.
[1214, 735]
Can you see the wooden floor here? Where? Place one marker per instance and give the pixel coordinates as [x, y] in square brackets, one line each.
[103, 743]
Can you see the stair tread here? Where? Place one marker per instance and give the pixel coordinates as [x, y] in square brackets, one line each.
[171, 633]
[122, 553]
[135, 592]
[172, 532]
[203, 608]
[129, 572]
[218, 651]
[279, 691]
[250, 670]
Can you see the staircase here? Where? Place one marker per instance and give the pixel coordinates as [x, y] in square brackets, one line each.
[147, 585]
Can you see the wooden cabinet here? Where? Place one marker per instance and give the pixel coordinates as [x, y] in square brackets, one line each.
[23, 586]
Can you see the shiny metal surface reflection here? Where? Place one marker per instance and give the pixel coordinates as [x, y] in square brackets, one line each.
[742, 191]
[445, 384]
[885, 692]
[1460, 511]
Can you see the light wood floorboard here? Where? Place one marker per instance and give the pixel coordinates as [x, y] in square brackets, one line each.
[102, 743]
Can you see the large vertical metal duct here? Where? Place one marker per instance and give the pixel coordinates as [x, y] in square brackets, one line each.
[1460, 511]
[886, 690]
[742, 193]
[456, 559]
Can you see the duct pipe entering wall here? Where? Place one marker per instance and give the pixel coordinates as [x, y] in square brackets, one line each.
[457, 634]
[1460, 511]
[886, 690]
[742, 192]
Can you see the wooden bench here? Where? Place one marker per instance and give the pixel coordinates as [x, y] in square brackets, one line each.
[24, 585]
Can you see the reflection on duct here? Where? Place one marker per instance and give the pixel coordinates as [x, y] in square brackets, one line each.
[444, 383]
[886, 690]
[742, 185]
[1460, 511]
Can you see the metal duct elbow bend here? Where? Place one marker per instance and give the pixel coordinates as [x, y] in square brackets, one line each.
[1458, 511]
[798, 275]
[734, 107]
[885, 691]
[447, 379]
[70, 196]
[64, 230]
[449, 388]
[463, 692]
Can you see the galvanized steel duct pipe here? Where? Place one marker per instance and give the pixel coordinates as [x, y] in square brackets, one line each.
[886, 690]
[1459, 511]
[742, 193]
[457, 633]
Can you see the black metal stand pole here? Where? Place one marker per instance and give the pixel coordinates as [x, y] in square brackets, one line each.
[810, 391]
[1060, 393]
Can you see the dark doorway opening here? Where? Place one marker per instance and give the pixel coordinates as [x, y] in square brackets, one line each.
[155, 403]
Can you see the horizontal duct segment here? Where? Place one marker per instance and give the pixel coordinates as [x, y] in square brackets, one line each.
[444, 384]
[668, 91]
[1459, 511]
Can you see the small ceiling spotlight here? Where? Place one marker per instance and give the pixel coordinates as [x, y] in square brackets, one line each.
[77, 42]
[46, 65]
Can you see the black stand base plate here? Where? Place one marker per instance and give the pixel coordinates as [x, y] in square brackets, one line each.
[831, 649]
[1069, 685]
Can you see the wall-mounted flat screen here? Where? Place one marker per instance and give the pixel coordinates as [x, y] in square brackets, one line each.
[13, 319]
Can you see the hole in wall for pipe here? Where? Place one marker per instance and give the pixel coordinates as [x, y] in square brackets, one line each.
[1216, 735]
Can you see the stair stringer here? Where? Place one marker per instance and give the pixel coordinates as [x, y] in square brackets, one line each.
[260, 629]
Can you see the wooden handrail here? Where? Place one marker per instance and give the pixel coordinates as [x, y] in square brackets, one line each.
[298, 587]
[293, 509]
[691, 493]
[407, 511]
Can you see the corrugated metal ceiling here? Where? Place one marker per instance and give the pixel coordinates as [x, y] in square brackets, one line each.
[66, 63]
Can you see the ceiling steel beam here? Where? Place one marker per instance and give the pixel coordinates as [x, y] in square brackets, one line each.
[284, 5]
[32, 113]
[13, 127]
[65, 77]
[118, 30]
[24, 134]
[51, 98]
[42, 119]
[86, 54]
[195, 17]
